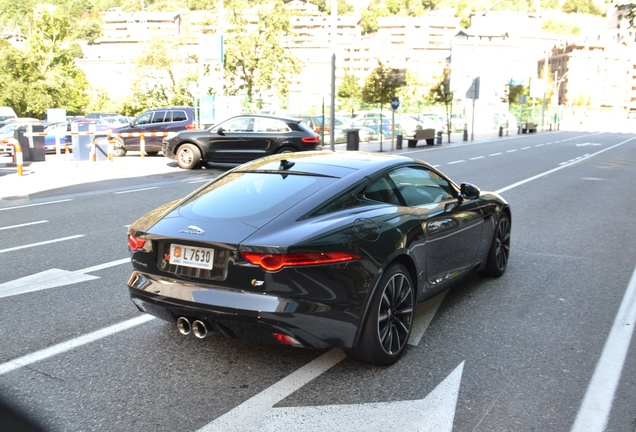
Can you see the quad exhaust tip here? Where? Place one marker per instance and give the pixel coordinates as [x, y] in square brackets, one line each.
[183, 325]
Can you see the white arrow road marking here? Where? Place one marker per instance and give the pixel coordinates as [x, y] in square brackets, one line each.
[47, 279]
[53, 278]
[434, 413]
[245, 415]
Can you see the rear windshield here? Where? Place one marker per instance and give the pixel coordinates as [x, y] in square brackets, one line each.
[254, 198]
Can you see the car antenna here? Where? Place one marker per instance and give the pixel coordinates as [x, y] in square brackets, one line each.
[285, 164]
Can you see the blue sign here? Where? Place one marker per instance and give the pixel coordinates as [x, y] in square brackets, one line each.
[395, 103]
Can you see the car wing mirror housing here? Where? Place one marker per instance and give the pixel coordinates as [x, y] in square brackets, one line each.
[469, 191]
[220, 131]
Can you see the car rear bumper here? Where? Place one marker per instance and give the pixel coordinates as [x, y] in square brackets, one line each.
[247, 315]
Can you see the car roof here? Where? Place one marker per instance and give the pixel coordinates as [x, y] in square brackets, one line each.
[325, 162]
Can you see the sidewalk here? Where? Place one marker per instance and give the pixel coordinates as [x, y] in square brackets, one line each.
[62, 171]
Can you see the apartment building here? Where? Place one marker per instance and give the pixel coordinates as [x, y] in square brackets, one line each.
[498, 46]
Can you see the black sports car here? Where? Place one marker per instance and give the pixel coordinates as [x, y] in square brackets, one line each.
[315, 249]
[240, 139]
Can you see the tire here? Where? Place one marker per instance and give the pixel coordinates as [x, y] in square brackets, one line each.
[119, 150]
[387, 326]
[499, 249]
[188, 156]
[152, 153]
[285, 150]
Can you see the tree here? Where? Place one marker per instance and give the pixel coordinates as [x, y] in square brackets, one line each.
[255, 61]
[349, 89]
[44, 74]
[161, 78]
[381, 85]
[441, 93]
[628, 12]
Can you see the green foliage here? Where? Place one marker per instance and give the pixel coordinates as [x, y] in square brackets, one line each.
[560, 27]
[512, 93]
[256, 64]
[160, 79]
[628, 11]
[381, 85]
[324, 6]
[441, 93]
[581, 6]
[44, 75]
[89, 29]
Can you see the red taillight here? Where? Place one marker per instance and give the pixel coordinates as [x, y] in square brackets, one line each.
[135, 243]
[287, 340]
[191, 126]
[274, 262]
[311, 139]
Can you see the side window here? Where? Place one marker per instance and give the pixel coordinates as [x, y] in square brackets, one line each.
[381, 190]
[242, 124]
[420, 186]
[269, 125]
[179, 116]
[158, 117]
[144, 118]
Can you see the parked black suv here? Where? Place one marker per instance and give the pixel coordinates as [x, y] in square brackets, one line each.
[154, 124]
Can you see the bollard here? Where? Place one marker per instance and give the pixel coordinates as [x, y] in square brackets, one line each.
[465, 134]
[92, 152]
[142, 144]
[439, 138]
[398, 141]
[111, 149]
[500, 131]
[17, 154]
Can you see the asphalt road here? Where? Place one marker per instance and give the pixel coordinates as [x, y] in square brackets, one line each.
[517, 353]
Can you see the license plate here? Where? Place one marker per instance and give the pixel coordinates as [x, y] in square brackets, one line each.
[191, 256]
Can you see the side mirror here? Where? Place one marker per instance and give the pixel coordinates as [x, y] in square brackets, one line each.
[470, 191]
[220, 131]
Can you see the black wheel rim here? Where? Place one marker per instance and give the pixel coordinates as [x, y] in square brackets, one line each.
[395, 314]
[502, 248]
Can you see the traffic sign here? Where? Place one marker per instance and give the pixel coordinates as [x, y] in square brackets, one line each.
[395, 103]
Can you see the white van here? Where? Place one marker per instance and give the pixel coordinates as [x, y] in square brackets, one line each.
[6, 114]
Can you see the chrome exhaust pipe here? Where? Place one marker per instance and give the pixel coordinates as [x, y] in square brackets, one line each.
[183, 325]
[199, 329]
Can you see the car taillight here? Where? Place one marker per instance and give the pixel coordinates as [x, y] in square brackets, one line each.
[310, 139]
[274, 262]
[191, 126]
[135, 243]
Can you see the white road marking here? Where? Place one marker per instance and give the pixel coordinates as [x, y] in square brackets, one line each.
[36, 204]
[495, 154]
[597, 403]
[434, 413]
[53, 278]
[455, 162]
[23, 225]
[423, 320]
[136, 190]
[477, 157]
[538, 176]
[41, 243]
[255, 407]
[71, 344]
[47, 279]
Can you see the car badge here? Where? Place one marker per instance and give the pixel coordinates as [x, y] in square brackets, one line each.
[193, 229]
